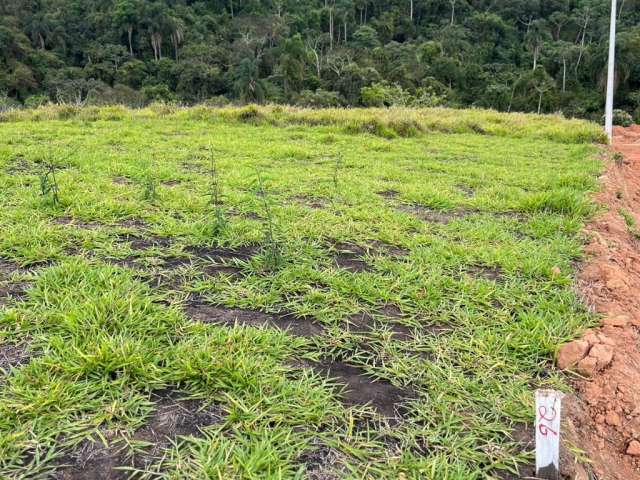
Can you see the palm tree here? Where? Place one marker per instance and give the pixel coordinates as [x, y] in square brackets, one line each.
[176, 26]
[126, 15]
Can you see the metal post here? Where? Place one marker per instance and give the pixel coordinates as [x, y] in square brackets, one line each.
[608, 121]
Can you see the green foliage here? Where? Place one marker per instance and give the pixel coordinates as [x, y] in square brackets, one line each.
[220, 222]
[8, 103]
[150, 182]
[385, 95]
[158, 93]
[630, 221]
[272, 250]
[319, 99]
[542, 58]
[49, 184]
[622, 118]
[35, 101]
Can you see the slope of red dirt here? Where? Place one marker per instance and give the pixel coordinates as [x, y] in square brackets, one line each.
[603, 417]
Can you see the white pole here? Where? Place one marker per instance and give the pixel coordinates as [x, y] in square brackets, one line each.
[608, 122]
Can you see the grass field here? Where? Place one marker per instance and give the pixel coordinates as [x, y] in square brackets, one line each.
[196, 287]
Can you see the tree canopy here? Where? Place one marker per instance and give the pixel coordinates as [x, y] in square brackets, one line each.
[528, 55]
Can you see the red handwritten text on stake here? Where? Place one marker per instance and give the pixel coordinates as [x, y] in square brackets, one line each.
[546, 417]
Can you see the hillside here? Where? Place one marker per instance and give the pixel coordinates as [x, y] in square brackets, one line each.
[515, 55]
[285, 293]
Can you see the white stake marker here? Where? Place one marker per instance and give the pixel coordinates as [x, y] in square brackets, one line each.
[548, 434]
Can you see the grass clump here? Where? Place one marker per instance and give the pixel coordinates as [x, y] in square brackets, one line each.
[631, 222]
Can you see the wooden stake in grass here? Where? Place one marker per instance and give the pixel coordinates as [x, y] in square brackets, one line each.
[548, 434]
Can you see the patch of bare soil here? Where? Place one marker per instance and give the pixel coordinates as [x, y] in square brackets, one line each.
[388, 194]
[71, 221]
[122, 180]
[466, 190]
[19, 165]
[74, 222]
[213, 269]
[429, 214]
[221, 254]
[361, 389]
[444, 217]
[350, 257]
[138, 242]
[387, 249]
[171, 183]
[310, 202]
[364, 323]
[297, 326]
[603, 418]
[131, 223]
[485, 272]
[12, 356]
[172, 418]
[322, 462]
[10, 290]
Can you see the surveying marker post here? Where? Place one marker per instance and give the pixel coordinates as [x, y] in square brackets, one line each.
[548, 434]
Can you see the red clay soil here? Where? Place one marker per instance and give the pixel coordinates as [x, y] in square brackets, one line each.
[603, 417]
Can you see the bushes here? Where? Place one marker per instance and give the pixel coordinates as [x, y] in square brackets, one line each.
[35, 101]
[385, 95]
[8, 103]
[158, 93]
[621, 118]
[320, 99]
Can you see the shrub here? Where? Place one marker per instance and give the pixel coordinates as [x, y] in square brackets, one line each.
[8, 103]
[621, 118]
[319, 99]
[118, 95]
[216, 101]
[385, 95]
[249, 114]
[158, 93]
[35, 101]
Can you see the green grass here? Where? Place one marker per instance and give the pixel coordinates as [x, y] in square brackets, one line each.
[630, 221]
[481, 212]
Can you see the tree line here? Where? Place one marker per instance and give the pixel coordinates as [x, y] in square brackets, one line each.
[525, 55]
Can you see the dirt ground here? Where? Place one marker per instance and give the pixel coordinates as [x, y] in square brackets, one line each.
[603, 417]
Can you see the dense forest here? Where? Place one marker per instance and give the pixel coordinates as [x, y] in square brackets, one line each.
[528, 55]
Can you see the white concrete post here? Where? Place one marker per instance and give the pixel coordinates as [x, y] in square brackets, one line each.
[608, 120]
